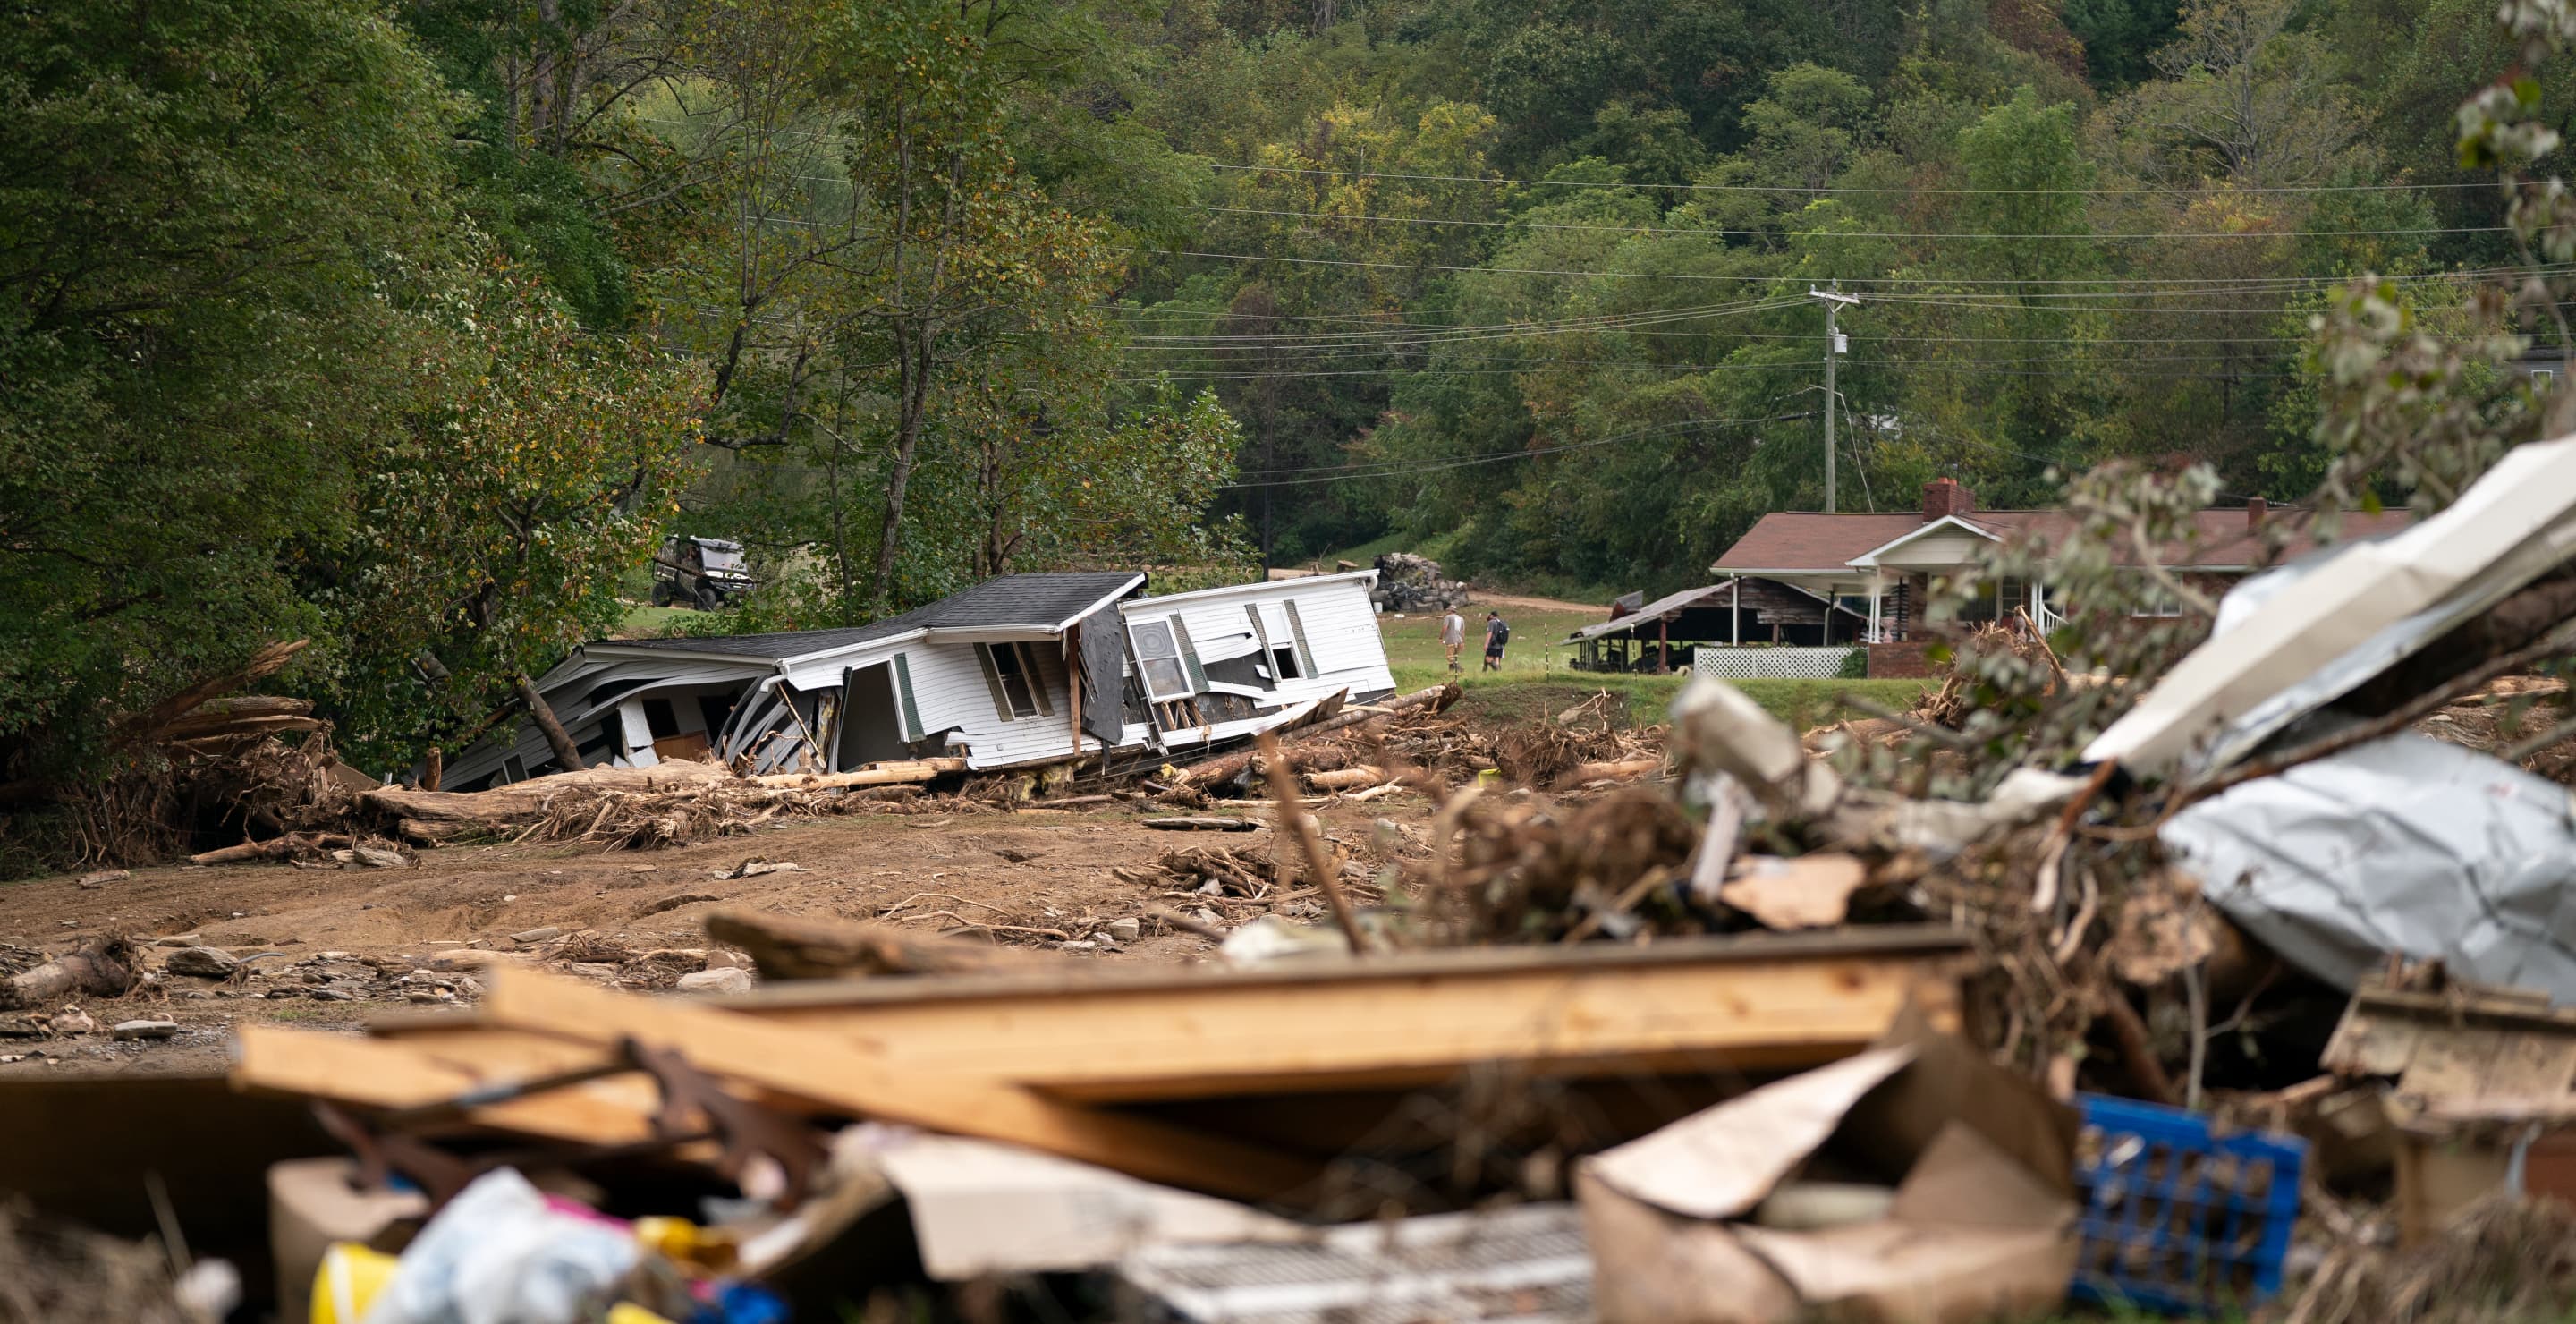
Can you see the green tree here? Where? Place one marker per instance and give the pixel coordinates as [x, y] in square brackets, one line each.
[539, 465]
[206, 208]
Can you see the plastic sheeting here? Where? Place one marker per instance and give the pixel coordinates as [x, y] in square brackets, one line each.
[2404, 845]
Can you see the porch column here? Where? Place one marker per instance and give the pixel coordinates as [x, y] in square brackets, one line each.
[1735, 611]
[1876, 586]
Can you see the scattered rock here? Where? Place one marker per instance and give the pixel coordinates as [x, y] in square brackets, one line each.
[675, 902]
[178, 940]
[203, 962]
[132, 1030]
[537, 935]
[725, 958]
[333, 995]
[72, 1020]
[606, 974]
[1015, 856]
[1126, 930]
[91, 882]
[729, 979]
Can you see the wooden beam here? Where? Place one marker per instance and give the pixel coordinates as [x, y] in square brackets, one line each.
[1769, 1002]
[847, 1077]
[893, 773]
[377, 1073]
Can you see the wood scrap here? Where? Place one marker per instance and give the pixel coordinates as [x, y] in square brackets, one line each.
[807, 947]
[1621, 770]
[102, 968]
[838, 1075]
[1320, 867]
[1200, 823]
[1226, 769]
[1346, 779]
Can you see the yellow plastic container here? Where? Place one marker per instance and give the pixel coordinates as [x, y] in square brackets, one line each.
[348, 1281]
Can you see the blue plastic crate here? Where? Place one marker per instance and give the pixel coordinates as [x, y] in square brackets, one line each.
[2177, 1219]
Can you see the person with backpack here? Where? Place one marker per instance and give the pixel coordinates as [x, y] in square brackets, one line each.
[1497, 634]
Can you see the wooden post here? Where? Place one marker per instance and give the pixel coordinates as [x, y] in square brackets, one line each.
[1073, 681]
[556, 739]
[433, 768]
[1663, 645]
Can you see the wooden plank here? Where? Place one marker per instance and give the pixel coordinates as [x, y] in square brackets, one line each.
[377, 1073]
[1771, 1002]
[799, 1062]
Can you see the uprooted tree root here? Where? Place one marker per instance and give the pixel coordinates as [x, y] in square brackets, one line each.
[152, 809]
[1533, 871]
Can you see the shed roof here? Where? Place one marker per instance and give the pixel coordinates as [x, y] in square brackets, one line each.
[1042, 601]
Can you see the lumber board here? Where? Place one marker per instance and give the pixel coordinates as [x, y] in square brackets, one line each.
[1712, 1006]
[378, 1073]
[837, 1074]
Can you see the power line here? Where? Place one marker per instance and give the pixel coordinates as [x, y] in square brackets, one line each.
[1499, 457]
[2146, 191]
[2171, 284]
[1733, 232]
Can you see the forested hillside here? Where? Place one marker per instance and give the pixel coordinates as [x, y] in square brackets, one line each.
[411, 328]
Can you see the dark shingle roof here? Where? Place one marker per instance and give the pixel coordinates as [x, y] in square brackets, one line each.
[1008, 602]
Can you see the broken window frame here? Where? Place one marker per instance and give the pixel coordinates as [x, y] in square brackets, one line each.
[1023, 669]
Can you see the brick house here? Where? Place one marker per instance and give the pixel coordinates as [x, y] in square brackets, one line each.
[1883, 564]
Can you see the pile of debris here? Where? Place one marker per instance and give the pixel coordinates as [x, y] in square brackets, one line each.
[1409, 583]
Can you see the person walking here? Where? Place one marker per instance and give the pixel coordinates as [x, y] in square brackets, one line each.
[1497, 634]
[1453, 636]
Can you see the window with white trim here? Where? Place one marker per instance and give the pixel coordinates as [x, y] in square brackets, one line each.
[1158, 660]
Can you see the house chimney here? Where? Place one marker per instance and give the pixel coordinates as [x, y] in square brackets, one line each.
[2256, 509]
[1944, 497]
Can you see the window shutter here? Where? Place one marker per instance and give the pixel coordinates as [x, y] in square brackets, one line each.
[993, 681]
[1305, 654]
[1190, 656]
[903, 686]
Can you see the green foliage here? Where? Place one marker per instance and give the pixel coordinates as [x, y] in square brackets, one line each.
[539, 465]
[198, 344]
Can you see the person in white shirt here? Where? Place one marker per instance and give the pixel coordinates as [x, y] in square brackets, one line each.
[1453, 635]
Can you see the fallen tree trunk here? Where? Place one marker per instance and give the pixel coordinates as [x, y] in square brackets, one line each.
[802, 947]
[1226, 769]
[521, 802]
[883, 774]
[275, 848]
[1346, 779]
[102, 968]
[556, 739]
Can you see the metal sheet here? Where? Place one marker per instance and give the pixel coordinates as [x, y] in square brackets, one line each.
[2404, 845]
[2358, 611]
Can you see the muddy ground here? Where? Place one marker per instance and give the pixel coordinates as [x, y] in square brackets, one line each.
[1035, 868]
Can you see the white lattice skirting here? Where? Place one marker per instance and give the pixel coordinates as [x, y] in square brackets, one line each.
[1770, 663]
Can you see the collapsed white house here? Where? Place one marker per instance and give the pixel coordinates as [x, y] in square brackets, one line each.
[1020, 670]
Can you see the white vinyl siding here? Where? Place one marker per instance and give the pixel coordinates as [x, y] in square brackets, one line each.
[949, 689]
[1343, 649]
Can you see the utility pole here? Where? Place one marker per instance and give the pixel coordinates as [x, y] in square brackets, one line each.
[1833, 301]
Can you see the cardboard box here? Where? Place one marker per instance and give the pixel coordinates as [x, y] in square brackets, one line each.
[1982, 1223]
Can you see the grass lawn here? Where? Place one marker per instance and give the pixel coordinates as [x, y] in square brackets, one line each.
[651, 622]
[1535, 680]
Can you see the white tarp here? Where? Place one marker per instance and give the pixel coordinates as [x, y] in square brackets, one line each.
[2354, 613]
[2404, 845]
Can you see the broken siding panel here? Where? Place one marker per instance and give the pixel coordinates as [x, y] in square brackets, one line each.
[949, 685]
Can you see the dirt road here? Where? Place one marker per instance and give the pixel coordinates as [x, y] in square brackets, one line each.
[335, 946]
